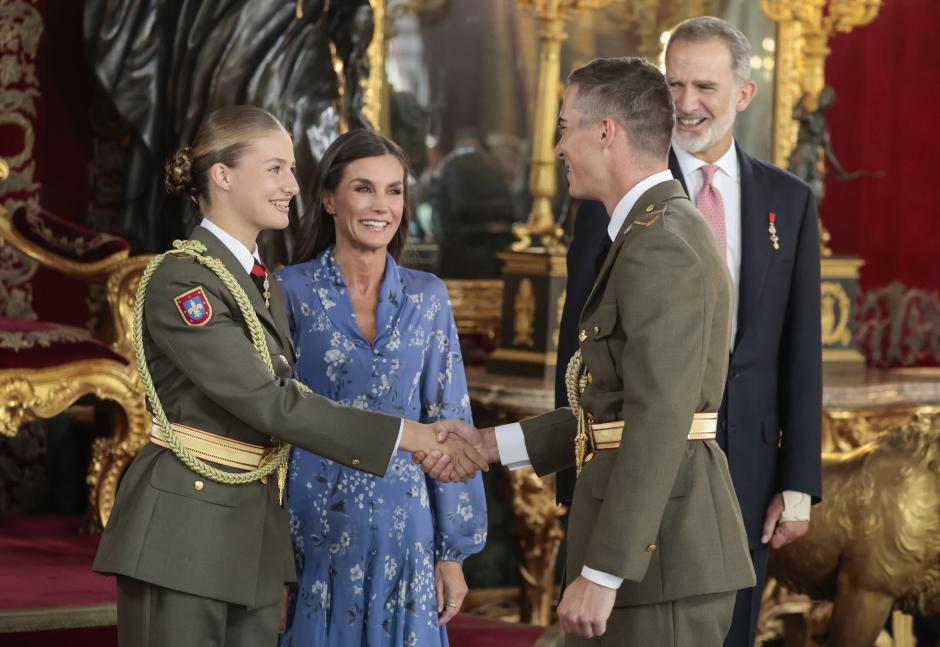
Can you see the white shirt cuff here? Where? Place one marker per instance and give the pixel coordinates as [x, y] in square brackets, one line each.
[511, 445]
[795, 506]
[401, 430]
[602, 578]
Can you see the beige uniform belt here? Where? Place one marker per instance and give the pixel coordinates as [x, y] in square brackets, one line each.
[606, 435]
[221, 450]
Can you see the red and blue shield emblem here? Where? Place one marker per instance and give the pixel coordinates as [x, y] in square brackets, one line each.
[194, 307]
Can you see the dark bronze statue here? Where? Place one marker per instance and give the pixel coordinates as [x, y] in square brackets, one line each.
[165, 65]
[813, 139]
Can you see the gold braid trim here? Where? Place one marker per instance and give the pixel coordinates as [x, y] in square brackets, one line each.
[278, 461]
[575, 383]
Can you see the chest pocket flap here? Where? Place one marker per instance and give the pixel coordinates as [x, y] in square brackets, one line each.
[601, 322]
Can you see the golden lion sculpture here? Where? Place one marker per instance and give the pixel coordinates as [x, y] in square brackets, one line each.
[874, 541]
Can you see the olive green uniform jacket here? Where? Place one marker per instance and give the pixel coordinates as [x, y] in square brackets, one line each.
[225, 542]
[660, 511]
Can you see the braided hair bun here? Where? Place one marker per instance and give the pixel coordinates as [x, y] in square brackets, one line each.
[179, 174]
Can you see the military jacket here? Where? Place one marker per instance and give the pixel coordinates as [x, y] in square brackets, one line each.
[660, 511]
[175, 529]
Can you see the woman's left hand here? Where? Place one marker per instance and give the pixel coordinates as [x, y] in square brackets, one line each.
[451, 589]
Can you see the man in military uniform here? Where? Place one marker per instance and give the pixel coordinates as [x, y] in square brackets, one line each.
[657, 547]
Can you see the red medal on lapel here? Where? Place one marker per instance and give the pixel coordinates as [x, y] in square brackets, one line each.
[194, 307]
[772, 229]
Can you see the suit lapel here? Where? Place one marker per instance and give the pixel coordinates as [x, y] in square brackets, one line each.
[214, 247]
[656, 194]
[755, 248]
[677, 171]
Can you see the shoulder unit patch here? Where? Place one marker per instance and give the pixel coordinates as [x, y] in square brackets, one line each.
[194, 307]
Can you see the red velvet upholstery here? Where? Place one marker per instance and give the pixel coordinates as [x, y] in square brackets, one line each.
[65, 238]
[39, 344]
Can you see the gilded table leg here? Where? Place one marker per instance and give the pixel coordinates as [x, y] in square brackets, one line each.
[539, 534]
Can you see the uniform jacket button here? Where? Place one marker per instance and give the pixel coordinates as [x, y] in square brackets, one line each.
[356, 461]
[650, 548]
[198, 485]
[596, 329]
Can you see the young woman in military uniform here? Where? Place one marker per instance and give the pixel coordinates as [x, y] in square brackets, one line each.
[198, 536]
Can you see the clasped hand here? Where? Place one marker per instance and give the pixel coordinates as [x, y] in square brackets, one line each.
[437, 462]
[445, 449]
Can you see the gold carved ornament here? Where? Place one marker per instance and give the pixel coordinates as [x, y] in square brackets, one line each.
[874, 542]
[28, 394]
[551, 16]
[524, 319]
[539, 533]
[836, 308]
[559, 311]
[44, 338]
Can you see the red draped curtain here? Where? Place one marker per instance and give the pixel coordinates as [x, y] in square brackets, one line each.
[887, 81]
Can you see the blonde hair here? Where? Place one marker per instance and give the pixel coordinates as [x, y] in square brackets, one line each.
[225, 135]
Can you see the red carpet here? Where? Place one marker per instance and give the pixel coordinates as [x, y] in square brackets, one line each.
[50, 596]
[45, 562]
[464, 631]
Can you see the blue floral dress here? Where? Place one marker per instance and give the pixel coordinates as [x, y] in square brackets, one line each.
[366, 546]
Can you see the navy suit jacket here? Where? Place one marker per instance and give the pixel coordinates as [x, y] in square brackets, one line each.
[770, 421]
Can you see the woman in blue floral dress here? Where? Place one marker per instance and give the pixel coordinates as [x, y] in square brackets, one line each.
[379, 560]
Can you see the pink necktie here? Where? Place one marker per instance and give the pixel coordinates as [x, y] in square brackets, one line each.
[709, 203]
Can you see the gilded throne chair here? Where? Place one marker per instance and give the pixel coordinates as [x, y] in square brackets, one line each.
[53, 355]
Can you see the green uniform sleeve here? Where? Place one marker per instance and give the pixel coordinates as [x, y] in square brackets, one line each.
[220, 360]
[549, 440]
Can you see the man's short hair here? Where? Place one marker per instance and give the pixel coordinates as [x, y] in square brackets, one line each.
[635, 94]
[697, 30]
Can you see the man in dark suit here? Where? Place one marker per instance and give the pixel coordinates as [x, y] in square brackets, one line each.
[765, 220]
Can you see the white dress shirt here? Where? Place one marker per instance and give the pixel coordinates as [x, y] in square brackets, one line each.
[247, 260]
[727, 180]
[245, 257]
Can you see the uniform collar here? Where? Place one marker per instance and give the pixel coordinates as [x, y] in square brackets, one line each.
[241, 253]
[623, 208]
[688, 163]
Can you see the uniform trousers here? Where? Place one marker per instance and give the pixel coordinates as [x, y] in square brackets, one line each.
[154, 616]
[699, 621]
[743, 630]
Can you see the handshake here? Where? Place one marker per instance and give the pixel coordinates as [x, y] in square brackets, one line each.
[450, 450]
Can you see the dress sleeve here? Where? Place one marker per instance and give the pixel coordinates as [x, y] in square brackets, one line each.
[459, 509]
[289, 305]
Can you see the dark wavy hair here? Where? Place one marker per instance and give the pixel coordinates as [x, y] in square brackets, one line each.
[317, 227]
